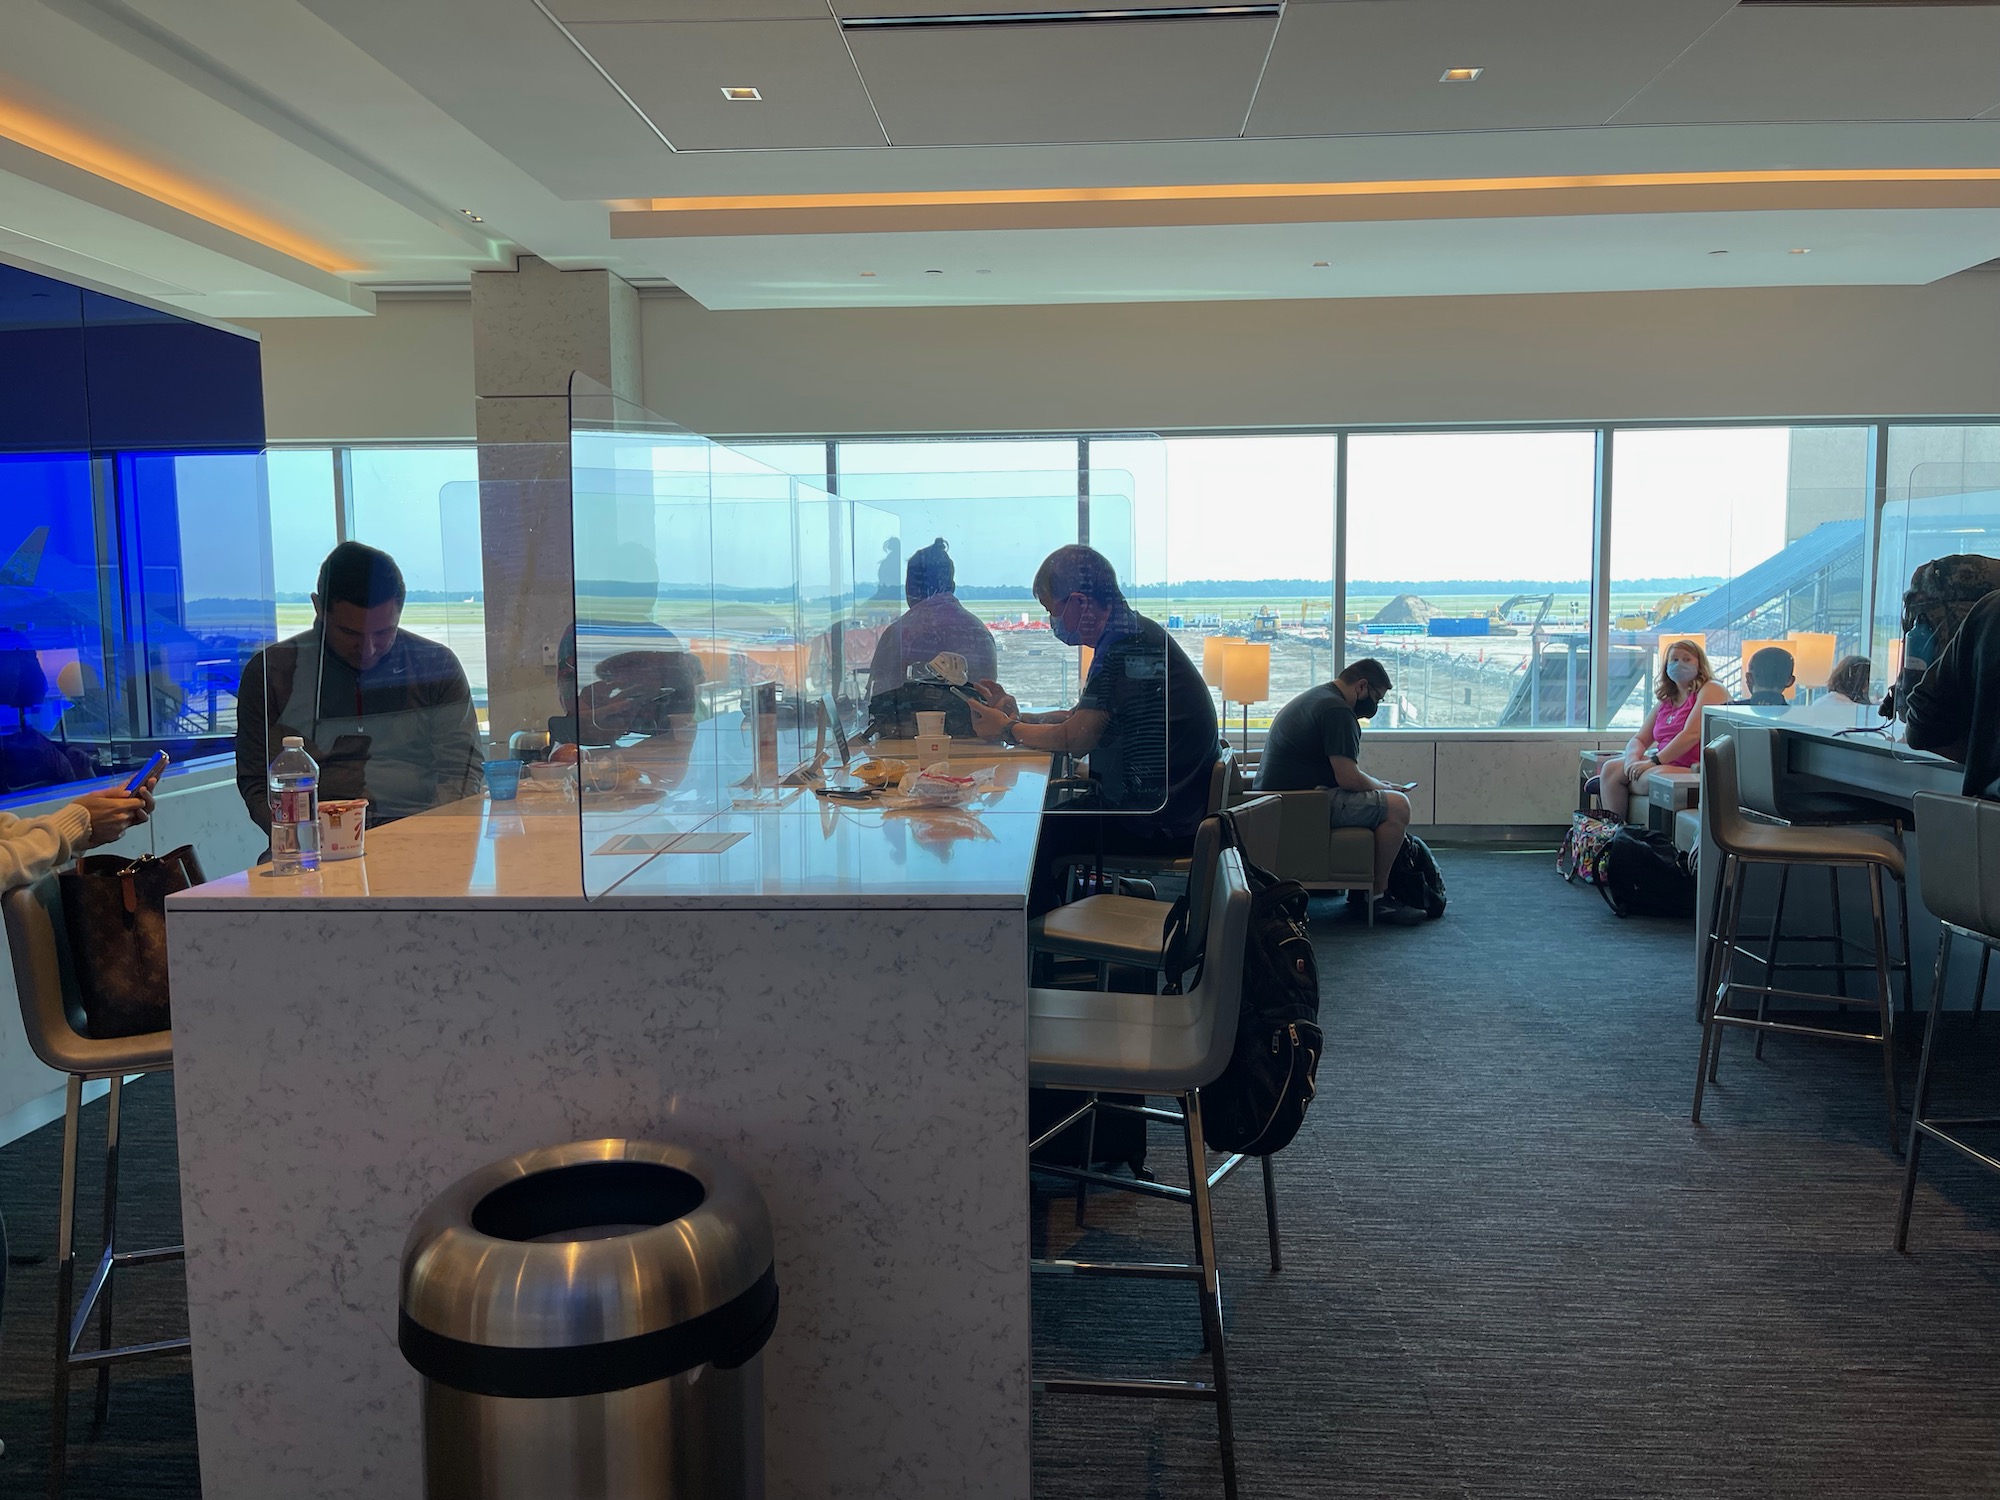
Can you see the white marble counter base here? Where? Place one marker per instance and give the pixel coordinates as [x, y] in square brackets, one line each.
[337, 1068]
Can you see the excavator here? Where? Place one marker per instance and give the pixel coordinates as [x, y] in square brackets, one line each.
[1646, 619]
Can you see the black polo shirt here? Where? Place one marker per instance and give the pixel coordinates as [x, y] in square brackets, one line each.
[1160, 745]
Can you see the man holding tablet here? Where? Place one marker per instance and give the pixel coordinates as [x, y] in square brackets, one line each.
[1315, 741]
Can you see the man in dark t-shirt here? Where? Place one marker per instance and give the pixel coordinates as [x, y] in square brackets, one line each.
[1144, 719]
[1315, 741]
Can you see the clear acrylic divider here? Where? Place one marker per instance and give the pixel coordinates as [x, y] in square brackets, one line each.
[1938, 555]
[748, 640]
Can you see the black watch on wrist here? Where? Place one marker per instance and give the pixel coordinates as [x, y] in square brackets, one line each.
[1007, 736]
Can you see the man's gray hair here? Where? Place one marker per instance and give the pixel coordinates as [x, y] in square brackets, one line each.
[1077, 569]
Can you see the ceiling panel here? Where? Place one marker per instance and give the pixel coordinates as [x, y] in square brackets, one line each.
[687, 10]
[1373, 67]
[676, 72]
[1832, 63]
[1176, 80]
[1633, 252]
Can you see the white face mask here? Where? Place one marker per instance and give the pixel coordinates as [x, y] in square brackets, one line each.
[1681, 670]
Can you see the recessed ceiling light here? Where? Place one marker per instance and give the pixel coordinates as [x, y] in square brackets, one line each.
[472, 216]
[982, 273]
[1320, 265]
[934, 273]
[1802, 252]
[867, 273]
[740, 93]
[1718, 252]
[1460, 75]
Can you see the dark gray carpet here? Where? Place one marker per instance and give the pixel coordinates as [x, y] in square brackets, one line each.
[1513, 1268]
[146, 1449]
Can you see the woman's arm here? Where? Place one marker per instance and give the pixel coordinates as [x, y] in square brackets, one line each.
[31, 847]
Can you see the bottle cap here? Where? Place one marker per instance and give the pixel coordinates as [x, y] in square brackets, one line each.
[294, 742]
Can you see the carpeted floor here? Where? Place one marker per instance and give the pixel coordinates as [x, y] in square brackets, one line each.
[1513, 1268]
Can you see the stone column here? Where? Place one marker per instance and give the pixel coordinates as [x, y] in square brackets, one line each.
[532, 329]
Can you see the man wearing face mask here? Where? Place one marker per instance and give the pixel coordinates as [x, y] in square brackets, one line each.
[1315, 741]
[1144, 719]
[386, 714]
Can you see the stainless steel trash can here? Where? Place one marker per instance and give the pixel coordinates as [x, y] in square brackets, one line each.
[588, 1320]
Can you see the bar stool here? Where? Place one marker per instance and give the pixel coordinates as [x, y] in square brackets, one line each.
[1765, 790]
[1742, 844]
[1134, 933]
[1961, 886]
[1099, 1041]
[53, 1018]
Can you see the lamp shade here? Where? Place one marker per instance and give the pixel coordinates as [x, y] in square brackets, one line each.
[1812, 656]
[1246, 672]
[1213, 649]
[1751, 648]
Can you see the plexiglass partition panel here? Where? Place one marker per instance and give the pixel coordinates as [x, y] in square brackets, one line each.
[750, 641]
[411, 663]
[1939, 557]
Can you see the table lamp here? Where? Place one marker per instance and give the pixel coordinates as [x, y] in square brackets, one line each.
[1213, 649]
[1246, 678]
[1812, 656]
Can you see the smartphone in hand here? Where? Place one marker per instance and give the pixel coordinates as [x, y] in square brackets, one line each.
[148, 771]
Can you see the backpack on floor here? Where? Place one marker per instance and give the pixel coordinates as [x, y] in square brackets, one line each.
[1415, 879]
[1260, 1101]
[1583, 846]
[1641, 874]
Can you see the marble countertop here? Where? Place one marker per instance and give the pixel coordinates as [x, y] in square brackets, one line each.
[787, 848]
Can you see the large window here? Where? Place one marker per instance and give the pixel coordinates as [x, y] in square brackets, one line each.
[1468, 575]
[1736, 538]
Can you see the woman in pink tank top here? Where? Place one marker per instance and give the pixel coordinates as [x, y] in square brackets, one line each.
[1670, 737]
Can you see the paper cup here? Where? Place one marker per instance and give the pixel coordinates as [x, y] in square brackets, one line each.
[930, 726]
[343, 829]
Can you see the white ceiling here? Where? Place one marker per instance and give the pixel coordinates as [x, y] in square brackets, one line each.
[290, 154]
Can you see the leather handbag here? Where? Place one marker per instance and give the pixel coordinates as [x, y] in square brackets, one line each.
[115, 912]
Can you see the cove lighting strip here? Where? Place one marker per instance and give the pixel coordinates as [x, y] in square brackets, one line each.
[1219, 191]
[1061, 17]
[73, 148]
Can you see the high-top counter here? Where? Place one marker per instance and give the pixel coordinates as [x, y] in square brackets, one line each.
[835, 1002]
[1824, 748]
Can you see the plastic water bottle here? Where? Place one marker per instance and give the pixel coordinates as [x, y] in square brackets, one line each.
[294, 783]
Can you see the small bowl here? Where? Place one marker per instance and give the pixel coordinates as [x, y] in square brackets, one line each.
[548, 775]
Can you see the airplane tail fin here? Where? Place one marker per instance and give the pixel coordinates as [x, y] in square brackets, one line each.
[19, 570]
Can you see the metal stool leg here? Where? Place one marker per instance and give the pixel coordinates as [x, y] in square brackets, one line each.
[1839, 939]
[65, 1287]
[1771, 956]
[1723, 968]
[1979, 984]
[1211, 1285]
[1705, 985]
[1089, 1157]
[1271, 1215]
[112, 1114]
[1921, 1100]
[1903, 922]
[1885, 1000]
